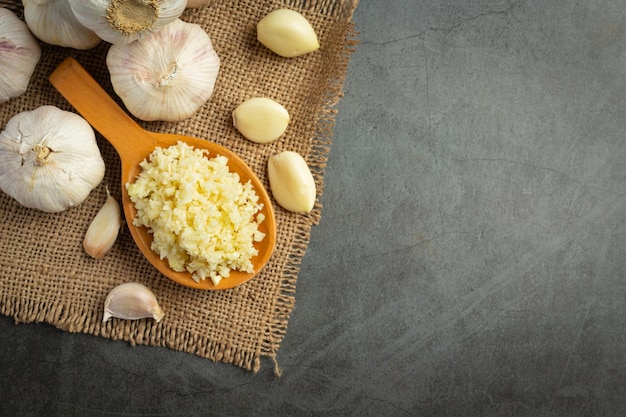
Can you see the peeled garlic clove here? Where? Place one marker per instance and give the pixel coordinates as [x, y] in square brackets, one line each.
[261, 119]
[124, 21]
[132, 301]
[287, 33]
[104, 228]
[291, 182]
[53, 22]
[19, 55]
[167, 76]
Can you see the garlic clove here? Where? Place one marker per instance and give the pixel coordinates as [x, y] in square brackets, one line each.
[132, 301]
[167, 76]
[261, 119]
[124, 21]
[54, 22]
[291, 182]
[287, 33]
[19, 55]
[104, 228]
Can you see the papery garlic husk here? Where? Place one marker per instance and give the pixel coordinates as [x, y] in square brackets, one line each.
[167, 76]
[53, 22]
[132, 301]
[49, 159]
[124, 21]
[291, 182]
[19, 55]
[103, 229]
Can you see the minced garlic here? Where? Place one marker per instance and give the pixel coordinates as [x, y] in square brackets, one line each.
[202, 217]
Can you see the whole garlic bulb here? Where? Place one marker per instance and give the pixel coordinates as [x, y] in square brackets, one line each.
[53, 22]
[49, 159]
[123, 21]
[167, 76]
[19, 55]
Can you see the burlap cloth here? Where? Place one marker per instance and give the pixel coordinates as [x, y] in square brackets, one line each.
[47, 277]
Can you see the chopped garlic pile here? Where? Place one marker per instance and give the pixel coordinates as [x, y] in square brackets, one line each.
[203, 219]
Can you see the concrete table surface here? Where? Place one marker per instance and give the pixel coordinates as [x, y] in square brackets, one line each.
[471, 258]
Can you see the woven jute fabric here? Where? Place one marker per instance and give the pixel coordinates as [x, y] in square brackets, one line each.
[45, 275]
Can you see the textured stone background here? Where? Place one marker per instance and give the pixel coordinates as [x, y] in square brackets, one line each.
[471, 258]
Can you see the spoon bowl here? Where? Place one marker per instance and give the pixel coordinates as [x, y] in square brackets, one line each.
[134, 144]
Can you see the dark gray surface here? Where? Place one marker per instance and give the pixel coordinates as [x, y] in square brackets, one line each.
[471, 254]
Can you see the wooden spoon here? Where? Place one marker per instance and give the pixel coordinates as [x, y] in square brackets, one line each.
[134, 144]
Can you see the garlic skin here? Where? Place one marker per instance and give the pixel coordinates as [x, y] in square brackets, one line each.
[291, 182]
[53, 22]
[124, 21]
[104, 228]
[167, 76]
[287, 33]
[19, 55]
[49, 159]
[132, 301]
[261, 119]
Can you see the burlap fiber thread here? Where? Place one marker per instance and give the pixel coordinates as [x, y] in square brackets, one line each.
[45, 274]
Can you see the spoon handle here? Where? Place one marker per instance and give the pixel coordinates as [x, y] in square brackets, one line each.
[84, 93]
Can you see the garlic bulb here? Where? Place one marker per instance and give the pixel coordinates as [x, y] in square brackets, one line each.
[123, 21]
[167, 76]
[19, 55]
[132, 301]
[49, 159]
[104, 228]
[53, 22]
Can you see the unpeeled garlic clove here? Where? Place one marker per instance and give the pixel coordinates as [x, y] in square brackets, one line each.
[261, 119]
[104, 228]
[132, 301]
[287, 33]
[291, 181]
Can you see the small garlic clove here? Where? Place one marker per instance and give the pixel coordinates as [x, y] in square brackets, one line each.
[104, 228]
[132, 301]
[291, 182]
[287, 33]
[261, 119]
